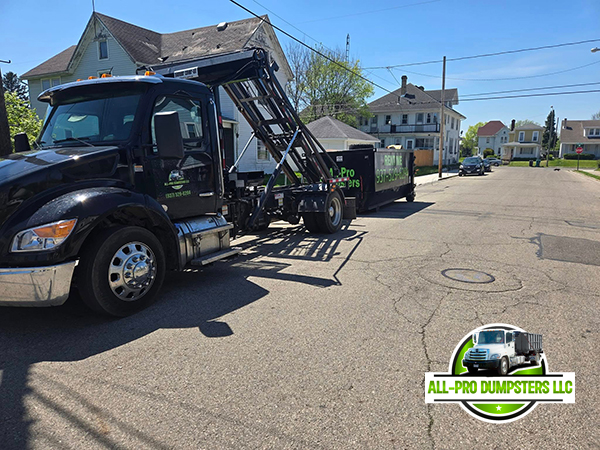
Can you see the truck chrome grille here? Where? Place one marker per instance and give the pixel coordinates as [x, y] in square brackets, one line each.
[478, 355]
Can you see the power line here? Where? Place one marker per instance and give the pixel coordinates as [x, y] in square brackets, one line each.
[532, 89]
[309, 47]
[531, 95]
[486, 55]
[308, 35]
[371, 12]
[506, 78]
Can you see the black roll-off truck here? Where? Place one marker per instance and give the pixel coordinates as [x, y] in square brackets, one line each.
[127, 181]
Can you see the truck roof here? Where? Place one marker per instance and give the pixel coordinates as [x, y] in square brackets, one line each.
[150, 79]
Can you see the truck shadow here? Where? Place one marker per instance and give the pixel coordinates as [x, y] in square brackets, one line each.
[190, 299]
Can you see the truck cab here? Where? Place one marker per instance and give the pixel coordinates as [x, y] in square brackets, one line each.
[500, 349]
[127, 181]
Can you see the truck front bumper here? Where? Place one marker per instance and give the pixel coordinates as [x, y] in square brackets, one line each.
[36, 286]
[491, 364]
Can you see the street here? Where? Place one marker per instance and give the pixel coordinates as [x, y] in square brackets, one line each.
[310, 341]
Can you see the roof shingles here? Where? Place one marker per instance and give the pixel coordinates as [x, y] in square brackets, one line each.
[329, 128]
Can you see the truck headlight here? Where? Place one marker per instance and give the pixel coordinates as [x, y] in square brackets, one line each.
[495, 356]
[44, 237]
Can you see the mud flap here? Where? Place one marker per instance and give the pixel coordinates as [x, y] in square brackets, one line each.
[350, 208]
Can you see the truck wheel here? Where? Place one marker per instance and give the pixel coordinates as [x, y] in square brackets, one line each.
[330, 221]
[503, 367]
[121, 271]
[534, 361]
[310, 222]
[472, 369]
[410, 198]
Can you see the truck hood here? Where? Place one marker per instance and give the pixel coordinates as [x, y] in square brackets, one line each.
[24, 175]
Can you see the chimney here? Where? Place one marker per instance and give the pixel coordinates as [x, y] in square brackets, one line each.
[564, 123]
[403, 88]
[512, 125]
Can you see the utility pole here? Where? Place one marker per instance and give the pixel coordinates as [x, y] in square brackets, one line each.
[442, 121]
[348, 47]
[5, 147]
[550, 135]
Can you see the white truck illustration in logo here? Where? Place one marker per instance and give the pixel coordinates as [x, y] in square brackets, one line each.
[500, 350]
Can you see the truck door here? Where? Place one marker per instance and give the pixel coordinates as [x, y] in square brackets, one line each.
[510, 343]
[186, 187]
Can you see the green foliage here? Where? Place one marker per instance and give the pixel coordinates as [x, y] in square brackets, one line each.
[488, 152]
[12, 83]
[469, 142]
[549, 136]
[21, 118]
[582, 156]
[596, 116]
[328, 88]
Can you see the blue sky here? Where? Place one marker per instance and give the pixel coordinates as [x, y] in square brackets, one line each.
[381, 34]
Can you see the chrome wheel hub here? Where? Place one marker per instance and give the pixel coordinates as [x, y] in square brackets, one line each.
[132, 271]
[335, 211]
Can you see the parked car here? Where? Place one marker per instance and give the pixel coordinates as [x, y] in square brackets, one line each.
[471, 166]
[494, 161]
[487, 165]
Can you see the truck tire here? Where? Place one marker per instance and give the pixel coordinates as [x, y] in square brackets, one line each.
[330, 221]
[121, 271]
[534, 361]
[472, 369]
[410, 197]
[503, 366]
[310, 222]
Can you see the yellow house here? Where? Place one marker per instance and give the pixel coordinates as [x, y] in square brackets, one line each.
[523, 142]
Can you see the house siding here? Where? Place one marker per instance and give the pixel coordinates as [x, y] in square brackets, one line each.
[89, 65]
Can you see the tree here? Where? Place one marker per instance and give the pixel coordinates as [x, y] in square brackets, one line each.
[12, 83]
[322, 87]
[549, 136]
[469, 141]
[21, 118]
[596, 116]
[520, 123]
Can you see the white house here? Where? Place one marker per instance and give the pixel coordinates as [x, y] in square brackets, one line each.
[112, 46]
[336, 135]
[585, 132]
[410, 117]
[492, 135]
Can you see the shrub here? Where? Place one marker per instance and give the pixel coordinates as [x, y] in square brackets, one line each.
[488, 152]
[582, 156]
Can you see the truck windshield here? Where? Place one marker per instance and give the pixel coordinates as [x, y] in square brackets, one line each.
[491, 337]
[98, 120]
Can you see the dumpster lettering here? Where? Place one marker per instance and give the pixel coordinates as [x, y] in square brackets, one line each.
[352, 182]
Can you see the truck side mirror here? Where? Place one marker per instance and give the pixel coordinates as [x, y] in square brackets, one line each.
[168, 135]
[21, 143]
[474, 338]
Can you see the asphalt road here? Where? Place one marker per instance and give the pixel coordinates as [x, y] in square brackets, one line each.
[323, 342]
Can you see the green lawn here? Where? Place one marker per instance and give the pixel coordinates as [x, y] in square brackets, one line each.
[587, 174]
[586, 164]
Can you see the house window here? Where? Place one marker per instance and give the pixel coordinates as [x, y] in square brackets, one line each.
[409, 144]
[262, 154]
[374, 121]
[521, 136]
[388, 120]
[428, 118]
[47, 83]
[593, 132]
[435, 118]
[102, 50]
[452, 124]
[420, 118]
[397, 141]
[192, 131]
[382, 143]
[404, 119]
[487, 140]
[536, 135]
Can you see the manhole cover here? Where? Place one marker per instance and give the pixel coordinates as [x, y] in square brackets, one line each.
[468, 276]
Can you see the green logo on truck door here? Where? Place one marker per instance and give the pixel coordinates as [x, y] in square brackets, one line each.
[499, 373]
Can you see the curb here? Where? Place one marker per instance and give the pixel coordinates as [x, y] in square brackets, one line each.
[435, 180]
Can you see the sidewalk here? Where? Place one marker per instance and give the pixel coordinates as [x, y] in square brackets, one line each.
[433, 177]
